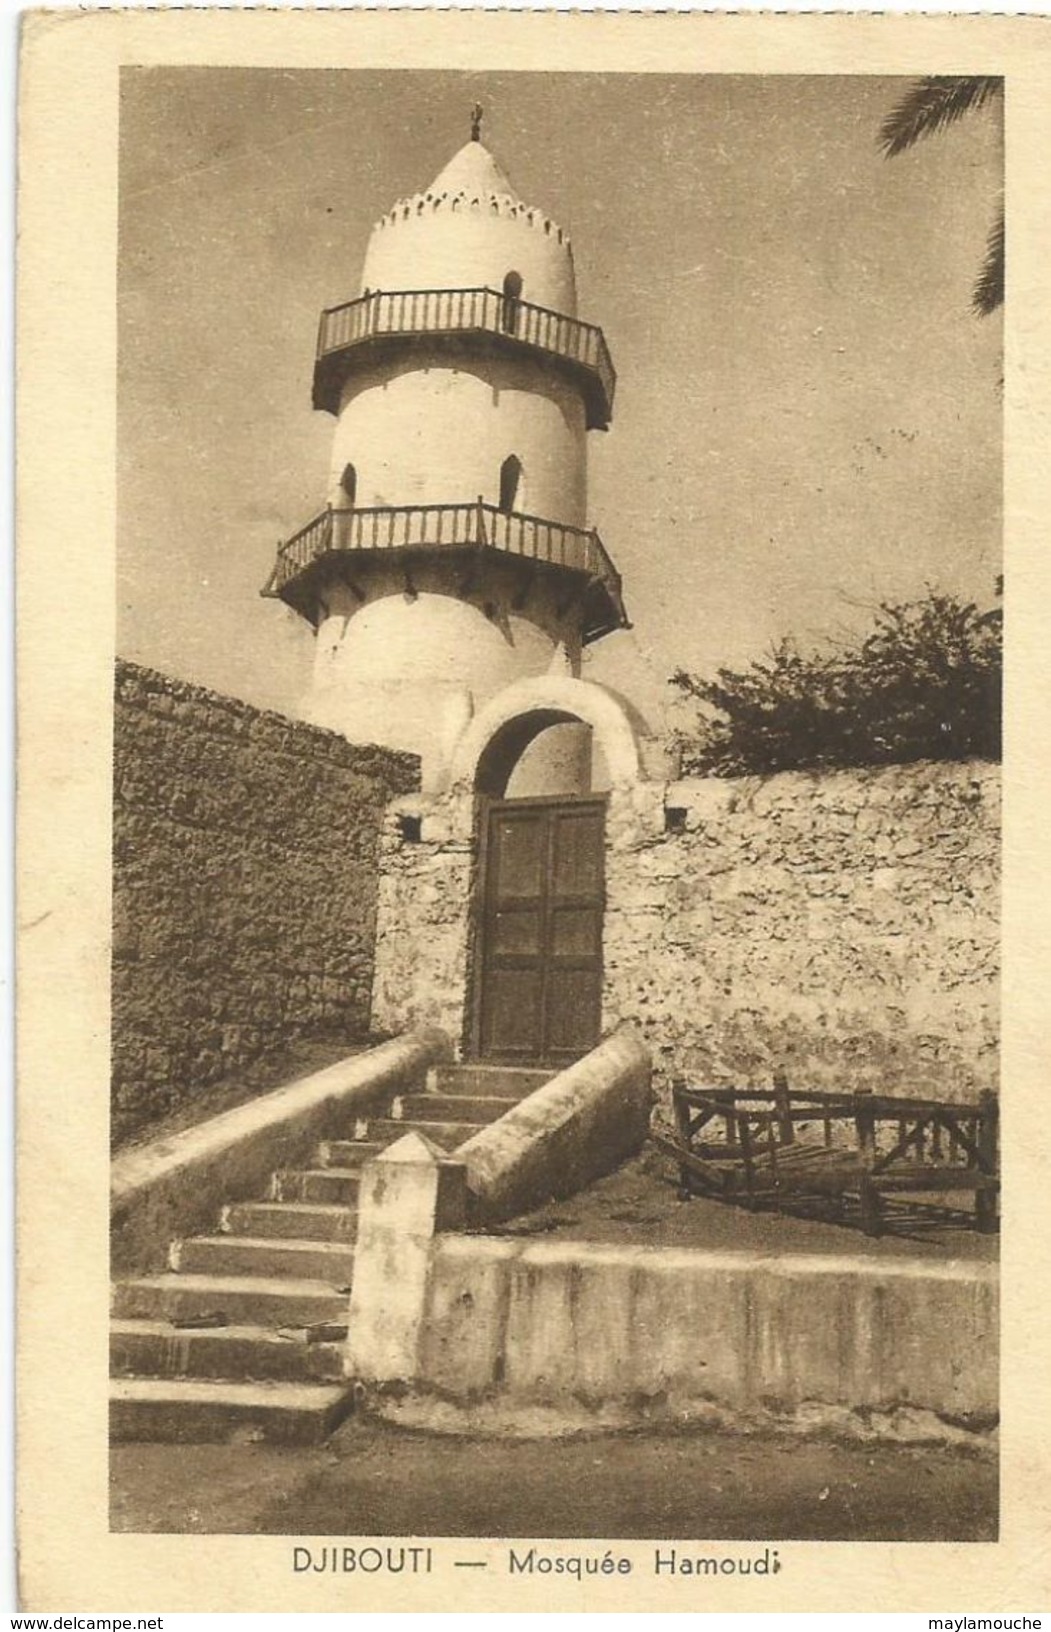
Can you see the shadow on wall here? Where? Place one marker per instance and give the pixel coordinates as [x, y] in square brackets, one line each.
[245, 868]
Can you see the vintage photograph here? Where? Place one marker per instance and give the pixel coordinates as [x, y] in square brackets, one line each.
[556, 801]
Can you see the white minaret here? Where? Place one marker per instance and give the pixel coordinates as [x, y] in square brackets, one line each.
[454, 555]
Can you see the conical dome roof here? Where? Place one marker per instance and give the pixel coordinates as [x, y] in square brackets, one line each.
[470, 229]
[472, 173]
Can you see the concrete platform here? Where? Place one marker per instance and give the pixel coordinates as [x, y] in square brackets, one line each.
[505, 1081]
[154, 1349]
[639, 1205]
[313, 1221]
[447, 1134]
[248, 1300]
[451, 1108]
[269, 1256]
[353, 1153]
[332, 1185]
[191, 1411]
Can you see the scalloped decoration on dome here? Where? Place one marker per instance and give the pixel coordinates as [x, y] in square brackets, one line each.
[472, 180]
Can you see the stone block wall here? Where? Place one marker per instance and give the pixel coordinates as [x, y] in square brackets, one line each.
[842, 925]
[423, 941]
[245, 882]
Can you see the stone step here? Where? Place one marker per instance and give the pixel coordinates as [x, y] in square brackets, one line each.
[196, 1412]
[306, 1221]
[490, 1081]
[332, 1186]
[448, 1108]
[446, 1134]
[248, 1301]
[352, 1152]
[268, 1256]
[152, 1348]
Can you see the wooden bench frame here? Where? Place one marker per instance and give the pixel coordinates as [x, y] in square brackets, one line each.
[929, 1146]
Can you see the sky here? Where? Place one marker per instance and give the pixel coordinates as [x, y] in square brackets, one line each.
[808, 415]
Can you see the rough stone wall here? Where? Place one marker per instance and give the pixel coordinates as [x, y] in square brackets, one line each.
[245, 883]
[845, 926]
[423, 937]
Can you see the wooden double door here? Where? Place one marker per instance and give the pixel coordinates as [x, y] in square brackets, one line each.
[538, 998]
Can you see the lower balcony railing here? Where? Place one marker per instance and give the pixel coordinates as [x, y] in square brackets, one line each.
[454, 527]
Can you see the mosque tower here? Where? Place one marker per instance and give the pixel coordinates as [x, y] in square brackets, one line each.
[454, 554]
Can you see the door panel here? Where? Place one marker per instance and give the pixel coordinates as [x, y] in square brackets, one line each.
[540, 965]
[518, 930]
[573, 1017]
[576, 932]
[519, 856]
[577, 855]
[514, 1012]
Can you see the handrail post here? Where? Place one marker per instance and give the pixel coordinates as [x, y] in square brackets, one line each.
[771, 1146]
[783, 1105]
[726, 1095]
[745, 1139]
[865, 1128]
[681, 1112]
[481, 519]
[985, 1196]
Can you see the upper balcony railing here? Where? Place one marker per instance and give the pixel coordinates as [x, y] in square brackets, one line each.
[508, 319]
[476, 526]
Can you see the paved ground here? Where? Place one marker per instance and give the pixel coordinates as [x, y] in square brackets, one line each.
[640, 1203]
[375, 1480]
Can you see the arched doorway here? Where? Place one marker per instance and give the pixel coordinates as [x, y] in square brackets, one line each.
[544, 753]
[540, 895]
[510, 482]
[510, 308]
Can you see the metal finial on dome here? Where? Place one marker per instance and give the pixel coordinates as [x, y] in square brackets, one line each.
[476, 122]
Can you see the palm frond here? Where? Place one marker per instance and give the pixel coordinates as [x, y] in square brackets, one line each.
[989, 290]
[932, 104]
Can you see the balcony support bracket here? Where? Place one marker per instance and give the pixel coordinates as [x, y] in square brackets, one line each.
[469, 580]
[527, 577]
[574, 598]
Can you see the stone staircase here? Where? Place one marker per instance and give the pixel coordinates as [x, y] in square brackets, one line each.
[242, 1338]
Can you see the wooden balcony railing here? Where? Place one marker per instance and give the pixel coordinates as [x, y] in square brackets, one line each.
[476, 526]
[406, 312]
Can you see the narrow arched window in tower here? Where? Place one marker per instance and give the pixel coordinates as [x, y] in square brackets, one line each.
[348, 484]
[510, 479]
[512, 297]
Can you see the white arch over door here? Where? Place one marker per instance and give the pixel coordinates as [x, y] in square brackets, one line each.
[522, 710]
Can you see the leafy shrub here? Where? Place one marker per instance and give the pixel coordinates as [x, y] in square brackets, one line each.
[924, 684]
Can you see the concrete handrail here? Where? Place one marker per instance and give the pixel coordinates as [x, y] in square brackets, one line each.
[576, 1127]
[160, 1190]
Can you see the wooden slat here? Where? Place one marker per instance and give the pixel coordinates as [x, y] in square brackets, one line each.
[911, 1137]
[814, 1156]
[935, 1178]
[761, 1155]
[693, 1164]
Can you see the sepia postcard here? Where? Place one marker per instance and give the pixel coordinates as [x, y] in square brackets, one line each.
[531, 904]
